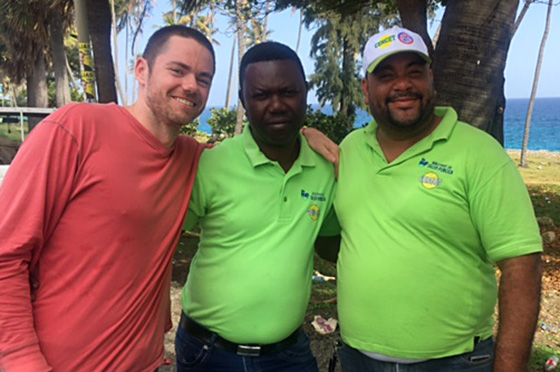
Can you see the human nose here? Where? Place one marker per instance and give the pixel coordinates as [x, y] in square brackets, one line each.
[403, 83]
[189, 83]
[276, 103]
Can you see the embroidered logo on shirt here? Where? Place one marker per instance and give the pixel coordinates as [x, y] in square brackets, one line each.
[318, 196]
[430, 180]
[440, 167]
[314, 211]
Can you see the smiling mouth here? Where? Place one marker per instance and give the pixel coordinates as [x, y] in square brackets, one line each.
[404, 98]
[184, 101]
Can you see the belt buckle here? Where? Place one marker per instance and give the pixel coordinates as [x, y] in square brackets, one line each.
[248, 350]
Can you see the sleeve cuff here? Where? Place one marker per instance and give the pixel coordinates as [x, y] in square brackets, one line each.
[24, 359]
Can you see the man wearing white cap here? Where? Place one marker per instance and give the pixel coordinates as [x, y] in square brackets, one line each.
[427, 205]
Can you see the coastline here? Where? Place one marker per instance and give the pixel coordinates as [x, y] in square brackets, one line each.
[541, 153]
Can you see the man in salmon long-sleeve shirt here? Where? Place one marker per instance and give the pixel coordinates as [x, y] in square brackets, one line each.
[91, 211]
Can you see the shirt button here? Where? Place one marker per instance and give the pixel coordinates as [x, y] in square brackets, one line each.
[285, 198]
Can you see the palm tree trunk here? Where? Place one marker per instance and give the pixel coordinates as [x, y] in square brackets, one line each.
[299, 30]
[523, 160]
[229, 92]
[521, 15]
[84, 46]
[99, 24]
[116, 56]
[241, 27]
[468, 68]
[265, 26]
[59, 60]
[37, 88]
[414, 17]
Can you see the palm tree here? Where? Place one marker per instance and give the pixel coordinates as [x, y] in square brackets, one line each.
[99, 25]
[523, 160]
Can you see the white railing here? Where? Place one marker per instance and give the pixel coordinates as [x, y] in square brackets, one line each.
[23, 111]
[3, 170]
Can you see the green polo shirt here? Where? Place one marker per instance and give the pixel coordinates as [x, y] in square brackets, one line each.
[250, 279]
[419, 238]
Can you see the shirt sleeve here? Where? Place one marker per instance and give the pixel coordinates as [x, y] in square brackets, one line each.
[196, 204]
[33, 196]
[503, 214]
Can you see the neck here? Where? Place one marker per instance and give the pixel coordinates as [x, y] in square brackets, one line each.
[166, 134]
[395, 143]
[284, 155]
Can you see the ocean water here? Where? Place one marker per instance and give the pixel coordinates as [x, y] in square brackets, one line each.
[545, 123]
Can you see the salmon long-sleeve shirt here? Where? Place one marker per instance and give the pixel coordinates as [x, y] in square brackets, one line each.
[91, 210]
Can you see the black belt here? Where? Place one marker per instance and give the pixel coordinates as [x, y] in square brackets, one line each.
[204, 334]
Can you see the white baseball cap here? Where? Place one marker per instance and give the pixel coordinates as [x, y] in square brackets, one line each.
[392, 41]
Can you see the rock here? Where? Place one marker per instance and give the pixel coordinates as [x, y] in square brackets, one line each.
[545, 221]
[549, 236]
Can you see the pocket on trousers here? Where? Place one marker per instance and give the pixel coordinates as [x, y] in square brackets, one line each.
[298, 352]
[191, 352]
[482, 355]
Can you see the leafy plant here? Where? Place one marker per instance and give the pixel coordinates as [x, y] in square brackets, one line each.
[190, 129]
[335, 127]
[223, 121]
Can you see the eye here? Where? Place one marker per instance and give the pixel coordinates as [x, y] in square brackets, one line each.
[289, 93]
[260, 96]
[416, 73]
[176, 71]
[204, 81]
[385, 76]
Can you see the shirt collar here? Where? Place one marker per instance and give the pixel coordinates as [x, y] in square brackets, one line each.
[442, 133]
[256, 156]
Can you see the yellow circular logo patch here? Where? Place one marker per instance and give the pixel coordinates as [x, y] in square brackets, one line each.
[385, 42]
[430, 180]
[314, 212]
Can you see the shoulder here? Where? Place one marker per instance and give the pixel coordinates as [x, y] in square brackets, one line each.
[226, 148]
[356, 136]
[84, 110]
[479, 144]
[84, 116]
[221, 156]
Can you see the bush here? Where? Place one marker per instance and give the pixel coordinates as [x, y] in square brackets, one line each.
[335, 127]
[223, 121]
[190, 129]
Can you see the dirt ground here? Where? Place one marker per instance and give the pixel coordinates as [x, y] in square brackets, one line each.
[321, 303]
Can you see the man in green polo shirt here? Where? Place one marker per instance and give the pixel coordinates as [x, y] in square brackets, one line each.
[427, 204]
[261, 200]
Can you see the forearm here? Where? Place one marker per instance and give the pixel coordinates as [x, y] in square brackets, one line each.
[19, 346]
[519, 302]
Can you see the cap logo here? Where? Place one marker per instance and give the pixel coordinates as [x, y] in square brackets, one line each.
[405, 38]
[385, 42]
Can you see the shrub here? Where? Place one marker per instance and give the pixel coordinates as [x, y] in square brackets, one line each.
[335, 127]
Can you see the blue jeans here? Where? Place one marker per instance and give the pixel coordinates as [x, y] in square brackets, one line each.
[478, 360]
[195, 355]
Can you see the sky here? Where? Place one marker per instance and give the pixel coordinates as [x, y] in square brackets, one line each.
[519, 73]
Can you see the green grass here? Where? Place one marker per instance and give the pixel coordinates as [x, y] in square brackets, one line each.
[546, 200]
[540, 356]
[14, 133]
